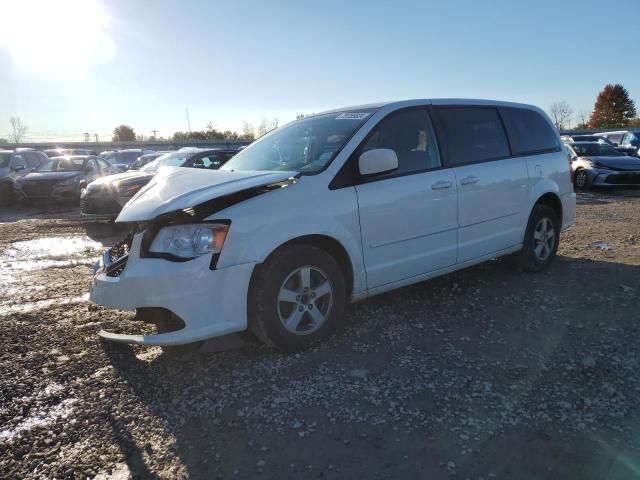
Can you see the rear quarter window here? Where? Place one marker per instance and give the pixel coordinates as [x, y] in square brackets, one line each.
[529, 132]
[471, 134]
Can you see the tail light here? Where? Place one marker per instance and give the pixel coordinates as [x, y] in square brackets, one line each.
[570, 158]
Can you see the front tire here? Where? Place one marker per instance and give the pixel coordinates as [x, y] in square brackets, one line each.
[541, 240]
[581, 180]
[297, 297]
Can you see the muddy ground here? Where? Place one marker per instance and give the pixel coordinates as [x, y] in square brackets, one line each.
[484, 373]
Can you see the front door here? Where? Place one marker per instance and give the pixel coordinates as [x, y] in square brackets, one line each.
[408, 217]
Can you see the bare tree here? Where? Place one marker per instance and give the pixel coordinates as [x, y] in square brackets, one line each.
[265, 126]
[18, 130]
[561, 114]
[583, 119]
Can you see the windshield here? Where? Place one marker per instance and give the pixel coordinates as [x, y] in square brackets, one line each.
[176, 159]
[595, 150]
[61, 165]
[123, 157]
[307, 145]
[5, 158]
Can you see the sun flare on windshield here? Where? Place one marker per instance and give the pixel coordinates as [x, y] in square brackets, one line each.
[56, 36]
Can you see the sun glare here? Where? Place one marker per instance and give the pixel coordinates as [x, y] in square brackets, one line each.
[56, 36]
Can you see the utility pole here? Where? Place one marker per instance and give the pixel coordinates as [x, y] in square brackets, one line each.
[154, 133]
[188, 121]
[96, 137]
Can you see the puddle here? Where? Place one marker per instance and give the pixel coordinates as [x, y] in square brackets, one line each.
[21, 258]
[50, 247]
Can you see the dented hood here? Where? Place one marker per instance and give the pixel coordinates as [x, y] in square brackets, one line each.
[176, 188]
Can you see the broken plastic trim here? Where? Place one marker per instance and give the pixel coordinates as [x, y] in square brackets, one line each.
[197, 214]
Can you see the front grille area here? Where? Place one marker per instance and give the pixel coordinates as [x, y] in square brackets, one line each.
[106, 206]
[120, 249]
[624, 178]
[118, 256]
[115, 269]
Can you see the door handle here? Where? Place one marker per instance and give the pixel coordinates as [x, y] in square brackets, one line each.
[441, 185]
[469, 180]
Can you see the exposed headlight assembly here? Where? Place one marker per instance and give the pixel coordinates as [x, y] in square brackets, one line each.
[129, 190]
[189, 241]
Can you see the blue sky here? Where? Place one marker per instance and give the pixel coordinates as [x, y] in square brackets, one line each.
[230, 61]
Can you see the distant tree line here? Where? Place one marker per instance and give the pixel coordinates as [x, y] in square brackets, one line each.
[125, 133]
[613, 108]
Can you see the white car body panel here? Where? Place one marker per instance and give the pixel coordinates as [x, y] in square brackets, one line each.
[422, 239]
[175, 188]
[503, 185]
[394, 231]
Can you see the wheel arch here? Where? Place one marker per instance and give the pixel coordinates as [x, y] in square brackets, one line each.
[553, 201]
[330, 245]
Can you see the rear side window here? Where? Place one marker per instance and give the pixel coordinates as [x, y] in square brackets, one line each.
[528, 131]
[471, 134]
[409, 134]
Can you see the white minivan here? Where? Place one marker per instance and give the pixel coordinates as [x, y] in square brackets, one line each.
[334, 208]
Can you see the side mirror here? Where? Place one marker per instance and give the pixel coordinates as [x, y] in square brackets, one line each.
[19, 168]
[379, 160]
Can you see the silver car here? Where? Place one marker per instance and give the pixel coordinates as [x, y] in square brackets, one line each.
[600, 165]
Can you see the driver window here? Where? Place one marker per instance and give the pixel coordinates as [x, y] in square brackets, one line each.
[18, 161]
[91, 165]
[411, 136]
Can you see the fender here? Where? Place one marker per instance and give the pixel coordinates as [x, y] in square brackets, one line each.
[254, 235]
[540, 188]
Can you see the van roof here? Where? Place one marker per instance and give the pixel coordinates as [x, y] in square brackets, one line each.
[432, 101]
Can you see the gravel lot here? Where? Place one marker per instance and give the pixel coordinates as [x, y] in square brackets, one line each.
[485, 373]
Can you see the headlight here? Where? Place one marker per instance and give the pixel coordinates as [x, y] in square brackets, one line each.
[190, 241]
[129, 190]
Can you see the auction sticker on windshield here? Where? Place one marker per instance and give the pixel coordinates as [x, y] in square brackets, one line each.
[352, 116]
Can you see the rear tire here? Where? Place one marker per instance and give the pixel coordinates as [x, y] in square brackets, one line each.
[6, 194]
[581, 180]
[541, 240]
[297, 297]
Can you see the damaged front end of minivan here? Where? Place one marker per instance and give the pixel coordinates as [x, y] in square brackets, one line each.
[167, 267]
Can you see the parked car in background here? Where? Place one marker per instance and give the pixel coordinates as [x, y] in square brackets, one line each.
[601, 139]
[142, 160]
[62, 178]
[106, 196]
[122, 159]
[52, 152]
[626, 139]
[601, 165]
[14, 165]
[337, 207]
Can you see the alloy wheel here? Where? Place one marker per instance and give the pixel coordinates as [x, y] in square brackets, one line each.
[544, 239]
[305, 300]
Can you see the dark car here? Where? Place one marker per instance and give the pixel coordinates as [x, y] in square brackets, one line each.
[602, 139]
[61, 178]
[106, 196]
[14, 165]
[601, 165]
[123, 159]
[142, 160]
[629, 140]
